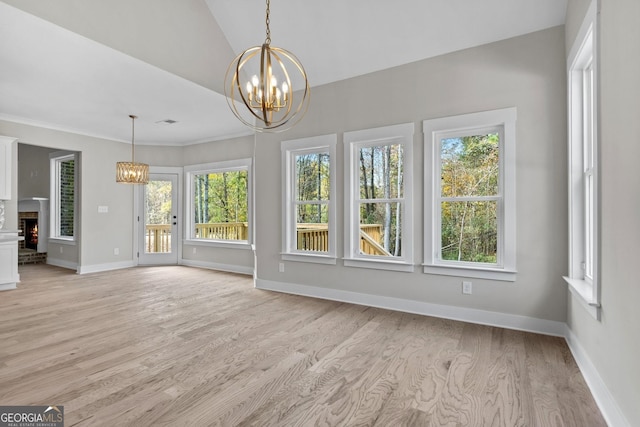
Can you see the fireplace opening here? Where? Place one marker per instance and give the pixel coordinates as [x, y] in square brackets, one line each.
[31, 233]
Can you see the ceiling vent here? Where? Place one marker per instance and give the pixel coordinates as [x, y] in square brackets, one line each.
[167, 122]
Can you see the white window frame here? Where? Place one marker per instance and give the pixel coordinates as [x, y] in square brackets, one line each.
[54, 219]
[289, 150]
[504, 121]
[217, 167]
[583, 153]
[353, 141]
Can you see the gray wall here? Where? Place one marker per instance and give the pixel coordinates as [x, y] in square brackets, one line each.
[527, 72]
[612, 344]
[238, 148]
[98, 233]
[33, 171]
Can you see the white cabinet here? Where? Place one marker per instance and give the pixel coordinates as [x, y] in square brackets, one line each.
[6, 161]
[9, 259]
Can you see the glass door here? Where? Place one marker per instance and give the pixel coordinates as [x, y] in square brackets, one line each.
[158, 222]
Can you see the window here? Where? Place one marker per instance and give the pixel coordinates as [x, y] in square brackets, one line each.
[63, 195]
[378, 222]
[470, 195]
[309, 199]
[218, 203]
[583, 167]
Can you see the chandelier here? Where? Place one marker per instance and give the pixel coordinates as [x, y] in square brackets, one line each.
[132, 172]
[266, 101]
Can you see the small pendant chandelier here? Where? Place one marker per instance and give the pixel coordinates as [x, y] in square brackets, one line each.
[132, 172]
[268, 96]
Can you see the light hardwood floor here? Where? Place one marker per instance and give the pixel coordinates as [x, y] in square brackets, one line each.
[181, 346]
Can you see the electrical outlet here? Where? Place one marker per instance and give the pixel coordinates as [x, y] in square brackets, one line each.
[61, 249]
[466, 288]
[116, 251]
[281, 267]
[194, 251]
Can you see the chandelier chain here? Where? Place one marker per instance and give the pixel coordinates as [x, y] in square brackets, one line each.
[267, 21]
[133, 127]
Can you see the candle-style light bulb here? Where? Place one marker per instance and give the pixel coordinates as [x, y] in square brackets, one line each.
[249, 90]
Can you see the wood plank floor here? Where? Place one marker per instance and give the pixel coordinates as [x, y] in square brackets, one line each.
[181, 346]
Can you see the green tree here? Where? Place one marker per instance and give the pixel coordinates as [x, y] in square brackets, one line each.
[469, 177]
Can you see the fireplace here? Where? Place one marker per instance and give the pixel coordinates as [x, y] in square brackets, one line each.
[31, 233]
[33, 217]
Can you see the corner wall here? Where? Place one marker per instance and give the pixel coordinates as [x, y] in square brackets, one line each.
[611, 346]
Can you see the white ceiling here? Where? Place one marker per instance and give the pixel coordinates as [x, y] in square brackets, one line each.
[52, 77]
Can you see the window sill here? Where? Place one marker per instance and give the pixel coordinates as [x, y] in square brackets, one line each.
[238, 244]
[309, 257]
[62, 241]
[473, 272]
[379, 264]
[584, 294]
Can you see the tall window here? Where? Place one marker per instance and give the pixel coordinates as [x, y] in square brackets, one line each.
[583, 167]
[309, 199]
[469, 195]
[63, 195]
[379, 193]
[218, 205]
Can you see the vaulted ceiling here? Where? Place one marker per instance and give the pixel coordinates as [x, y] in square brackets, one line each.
[85, 65]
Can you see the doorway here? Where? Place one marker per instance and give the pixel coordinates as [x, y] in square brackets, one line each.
[158, 222]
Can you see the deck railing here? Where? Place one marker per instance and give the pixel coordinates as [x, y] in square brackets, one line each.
[158, 238]
[311, 237]
[315, 237]
[223, 231]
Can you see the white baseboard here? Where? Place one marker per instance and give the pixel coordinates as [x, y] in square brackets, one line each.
[490, 318]
[240, 269]
[96, 268]
[62, 263]
[7, 286]
[601, 394]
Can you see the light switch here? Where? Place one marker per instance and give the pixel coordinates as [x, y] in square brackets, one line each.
[103, 209]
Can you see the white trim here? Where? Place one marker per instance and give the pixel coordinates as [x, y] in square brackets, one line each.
[379, 264]
[6, 154]
[240, 269]
[8, 286]
[62, 263]
[309, 257]
[244, 164]
[395, 134]
[62, 241]
[482, 317]
[471, 271]
[96, 268]
[601, 394]
[583, 53]
[504, 118]
[55, 158]
[162, 173]
[583, 292]
[289, 149]
[228, 244]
